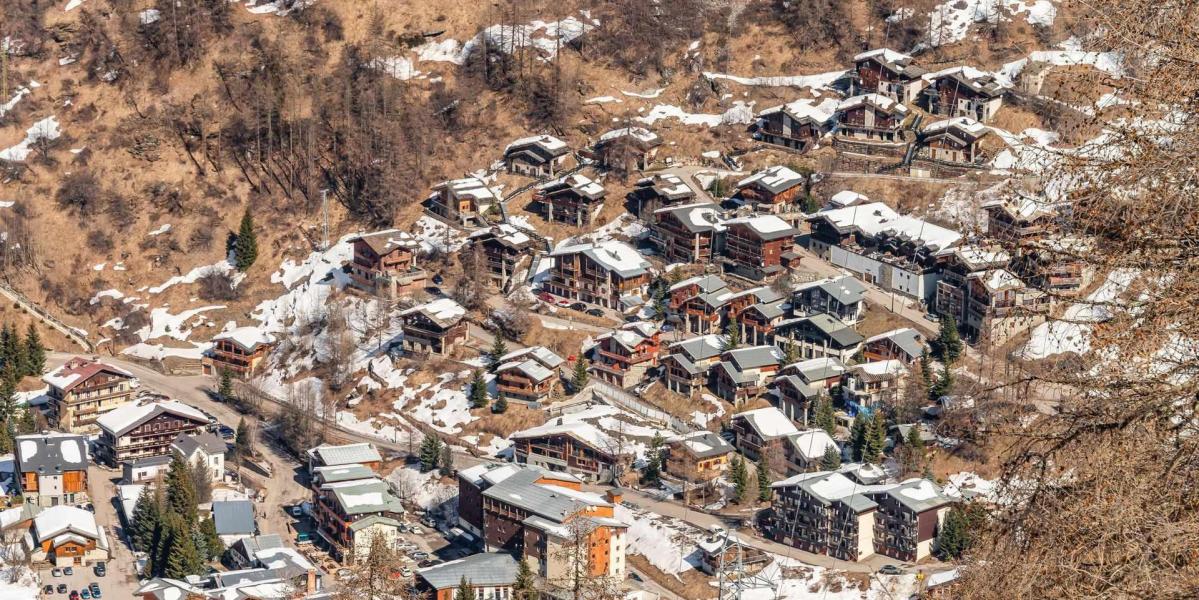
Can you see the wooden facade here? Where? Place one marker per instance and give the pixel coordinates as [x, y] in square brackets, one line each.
[566, 452]
[229, 355]
[386, 263]
[82, 390]
[152, 437]
[423, 335]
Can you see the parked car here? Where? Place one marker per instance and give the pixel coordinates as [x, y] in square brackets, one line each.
[96, 592]
[303, 537]
[100, 569]
[419, 555]
[890, 570]
[74, 595]
[595, 312]
[297, 511]
[405, 572]
[86, 594]
[579, 306]
[667, 328]
[932, 317]
[68, 571]
[226, 432]
[62, 588]
[47, 590]
[563, 302]
[57, 572]
[546, 297]
[438, 279]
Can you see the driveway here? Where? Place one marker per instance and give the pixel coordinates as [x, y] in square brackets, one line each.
[121, 580]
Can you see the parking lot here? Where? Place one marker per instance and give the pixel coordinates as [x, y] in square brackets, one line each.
[78, 581]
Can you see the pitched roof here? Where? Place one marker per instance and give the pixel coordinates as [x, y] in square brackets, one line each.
[666, 185]
[812, 443]
[699, 347]
[487, 569]
[968, 129]
[248, 338]
[578, 184]
[504, 234]
[905, 338]
[387, 240]
[770, 423]
[78, 370]
[552, 502]
[833, 329]
[897, 62]
[579, 430]
[207, 441]
[119, 421]
[442, 311]
[544, 147]
[702, 444]
[233, 517]
[706, 283]
[339, 473]
[50, 453]
[613, 255]
[754, 357]
[698, 217]
[775, 179]
[878, 218]
[804, 109]
[531, 368]
[817, 369]
[345, 454]
[805, 389]
[845, 289]
[878, 101]
[471, 188]
[57, 520]
[767, 227]
[981, 82]
[847, 198]
[367, 497]
[643, 137]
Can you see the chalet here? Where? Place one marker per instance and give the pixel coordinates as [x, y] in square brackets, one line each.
[330, 455]
[597, 272]
[743, 373]
[761, 430]
[573, 447]
[842, 297]
[689, 233]
[65, 536]
[799, 384]
[623, 356]
[740, 301]
[82, 390]
[697, 303]
[137, 431]
[688, 363]
[386, 263]
[773, 189]
[845, 198]
[957, 264]
[434, 328]
[239, 351]
[1056, 264]
[797, 126]
[871, 383]
[896, 252]
[698, 456]
[822, 373]
[490, 576]
[145, 469]
[721, 550]
[804, 451]
[234, 520]
[1000, 305]
[888, 73]
[818, 336]
[958, 142]
[658, 191]
[905, 345]
[203, 450]
[506, 250]
[350, 514]
[963, 92]
[341, 474]
[627, 149]
[757, 322]
[51, 468]
[871, 124]
[760, 247]
[270, 572]
[573, 200]
[532, 513]
[528, 376]
[538, 156]
[463, 201]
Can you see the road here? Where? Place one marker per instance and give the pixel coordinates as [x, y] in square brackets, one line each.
[121, 580]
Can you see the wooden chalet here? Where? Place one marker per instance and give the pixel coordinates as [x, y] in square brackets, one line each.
[759, 248]
[627, 149]
[137, 431]
[698, 457]
[386, 263]
[757, 322]
[744, 373]
[819, 336]
[529, 376]
[573, 447]
[697, 303]
[689, 363]
[239, 351]
[963, 92]
[871, 124]
[688, 233]
[572, 200]
[51, 468]
[959, 142]
[871, 383]
[904, 344]
[658, 191]
[623, 356]
[65, 536]
[463, 201]
[888, 73]
[796, 126]
[506, 250]
[773, 189]
[538, 156]
[82, 390]
[434, 328]
[758, 430]
[597, 272]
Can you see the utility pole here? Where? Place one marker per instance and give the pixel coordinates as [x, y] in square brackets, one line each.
[325, 218]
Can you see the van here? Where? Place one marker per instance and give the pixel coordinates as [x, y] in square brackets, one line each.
[303, 537]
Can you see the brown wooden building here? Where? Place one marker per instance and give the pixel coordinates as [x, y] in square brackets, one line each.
[773, 189]
[759, 248]
[240, 351]
[140, 431]
[530, 375]
[434, 328]
[963, 92]
[627, 149]
[506, 250]
[571, 200]
[959, 142]
[597, 272]
[688, 233]
[623, 356]
[81, 390]
[698, 457]
[386, 262]
[796, 126]
[659, 191]
[462, 201]
[871, 124]
[577, 448]
[888, 73]
[51, 468]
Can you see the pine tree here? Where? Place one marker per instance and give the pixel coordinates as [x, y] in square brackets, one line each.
[653, 464]
[953, 539]
[246, 247]
[579, 380]
[17, 351]
[465, 592]
[478, 391]
[791, 351]
[857, 436]
[430, 453]
[446, 463]
[213, 545]
[523, 588]
[764, 491]
[35, 353]
[181, 493]
[740, 477]
[500, 406]
[225, 387]
[831, 460]
[243, 443]
[825, 418]
[944, 384]
[732, 335]
[949, 341]
[184, 558]
[876, 438]
[7, 345]
[498, 349]
[147, 518]
[926, 369]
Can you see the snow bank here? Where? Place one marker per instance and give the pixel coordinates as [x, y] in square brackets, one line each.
[740, 113]
[46, 129]
[951, 21]
[818, 80]
[668, 544]
[1072, 332]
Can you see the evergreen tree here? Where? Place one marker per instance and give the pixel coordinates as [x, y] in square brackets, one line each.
[953, 540]
[579, 380]
[478, 391]
[243, 442]
[913, 438]
[245, 249]
[27, 423]
[447, 460]
[523, 587]
[653, 464]
[926, 369]
[857, 436]
[430, 453]
[147, 518]
[8, 346]
[740, 477]
[498, 349]
[831, 460]
[791, 352]
[184, 558]
[876, 438]
[35, 353]
[732, 335]
[764, 491]
[181, 493]
[500, 406]
[213, 545]
[465, 592]
[825, 418]
[949, 342]
[225, 387]
[944, 384]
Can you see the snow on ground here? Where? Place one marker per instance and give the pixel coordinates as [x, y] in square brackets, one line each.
[165, 324]
[374, 427]
[16, 97]
[1069, 54]
[740, 113]
[962, 206]
[150, 15]
[33, 397]
[668, 544]
[443, 404]
[277, 7]
[165, 227]
[950, 21]
[433, 235]
[626, 225]
[493, 447]
[546, 37]
[818, 80]
[595, 100]
[796, 580]
[308, 285]
[26, 585]
[443, 51]
[424, 489]
[1072, 331]
[397, 66]
[160, 351]
[195, 274]
[46, 129]
[72, 5]
[701, 418]
[649, 94]
[115, 294]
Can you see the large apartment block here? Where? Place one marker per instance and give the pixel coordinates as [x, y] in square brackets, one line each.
[81, 390]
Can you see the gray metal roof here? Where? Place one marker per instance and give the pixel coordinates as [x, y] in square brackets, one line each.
[755, 357]
[151, 461]
[206, 441]
[541, 354]
[336, 473]
[481, 570]
[252, 544]
[706, 283]
[233, 517]
[686, 363]
[844, 289]
[51, 453]
[806, 390]
[550, 501]
[698, 348]
[918, 495]
[328, 454]
[530, 368]
[817, 369]
[373, 520]
[696, 442]
[770, 310]
[834, 329]
[907, 339]
[367, 497]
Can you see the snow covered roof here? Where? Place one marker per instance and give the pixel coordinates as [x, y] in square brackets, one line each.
[918, 495]
[774, 179]
[78, 370]
[703, 444]
[553, 502]
[345, 454]
[50, 453]
[845, 198]
[579, 184]
[884, 55]
[845, 288]
[640, 134]
[803, 109]
[906, 338]
[504, 233]
[811, 444]
[770, 423]
[530, 368]
[767, 227]
[53, 521]
[697, 217]
[998, 280]
[367, 497]
[443, 311]
[613, 255]
[667, 185]
[547, 143]
[541, 354]
[878, 218]
[339, 473]
[706, 284]
[879, 370]
[817, 369]
[976, 258]
[120, 420]
[579, 430]
[383, 242]
[980, 81]
[471, 188]
[877, 100]
[966, 124]
[248, 337]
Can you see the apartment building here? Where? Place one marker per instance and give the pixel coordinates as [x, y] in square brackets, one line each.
[623, 356]
[537, 156]
[743, 373]
[760, 247]
[689, 362]
[773, 189]
[597, 272]
[529, 376]
[697, 303]
[688, 233]
[51, 468]
[506, 251]
[575, 447]
[82, 390]
[137, 431]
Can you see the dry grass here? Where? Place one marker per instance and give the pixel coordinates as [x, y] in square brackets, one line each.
[879, 319]
[516, 418]
[692, 585]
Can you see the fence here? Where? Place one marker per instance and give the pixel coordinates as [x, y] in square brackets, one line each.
[631, 403]
[45, 317]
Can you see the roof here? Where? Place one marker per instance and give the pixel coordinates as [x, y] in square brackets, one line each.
[505, 234]
[755, 357]
[549, 501]
[332, 455]
[877, 100]
[248, 338]
[700, 347]
[443, 311]
[805, 389]
[879, 370]
[78, 370]
[817, 369]
[387, 240]
[977, 258]
[918, 495]
[847, 198]
[531, 368]
[905, 338]
[981, 82]
[579, 184]
[971, 128]
[768, 227]
[833, 329]
[774, 179]
[541, 354]
[252, 544]
[471, 188]
[57, 520]
[845, 289]
[367, 497]
[812, 444]
[343, 472]
[804, 109]
[667, 185]
[997, 280]
[703, 444]
[546, 145]
[486, 569]
[50, 453]
[829, 487]
[878, 218]
[210, 443]
[121, 420]
[233, 517]
[770, 423]
[641, 135]
[579, 430]
[151, 461]
[365, 522]
[705, 283]
[897, 62]
[613, 255]
[698, 217]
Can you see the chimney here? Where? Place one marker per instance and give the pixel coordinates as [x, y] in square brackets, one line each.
[614, 495]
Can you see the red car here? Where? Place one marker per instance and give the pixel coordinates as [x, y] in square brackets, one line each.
[74, 594]
[546, 297]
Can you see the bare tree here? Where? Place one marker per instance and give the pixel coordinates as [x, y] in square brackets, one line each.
[575, 571]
